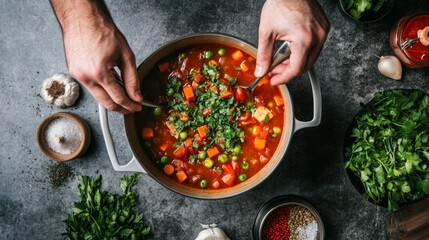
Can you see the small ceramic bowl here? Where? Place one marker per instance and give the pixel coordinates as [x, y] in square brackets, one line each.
[270, 207]
[368, 16]
[80, 123]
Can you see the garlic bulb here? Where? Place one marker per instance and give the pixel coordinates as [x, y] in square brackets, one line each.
[60, 90]
[390, 66]
[211, 232]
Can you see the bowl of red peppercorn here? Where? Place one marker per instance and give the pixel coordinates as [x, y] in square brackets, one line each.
[288, 217]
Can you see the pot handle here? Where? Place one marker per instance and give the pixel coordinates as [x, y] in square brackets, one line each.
[131, 166]
[317, 104]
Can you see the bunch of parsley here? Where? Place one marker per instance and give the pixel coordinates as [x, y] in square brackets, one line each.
[390, 149]
[357, 7]
[105, 215]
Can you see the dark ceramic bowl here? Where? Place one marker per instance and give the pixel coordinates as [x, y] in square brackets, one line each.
[369, 16]
[287, 200]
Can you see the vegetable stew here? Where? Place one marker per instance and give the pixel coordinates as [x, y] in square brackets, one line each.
[211, 135]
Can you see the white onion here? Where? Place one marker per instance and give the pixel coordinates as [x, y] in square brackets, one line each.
[390, 66]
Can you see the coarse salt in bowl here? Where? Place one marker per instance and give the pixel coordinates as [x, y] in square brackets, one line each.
[288, 217]
[63, 136]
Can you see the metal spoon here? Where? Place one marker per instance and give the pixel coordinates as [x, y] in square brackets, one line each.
[144, 103]
[282, 53]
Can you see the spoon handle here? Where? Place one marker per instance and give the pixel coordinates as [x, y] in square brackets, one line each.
[282, 53]
[144, 103]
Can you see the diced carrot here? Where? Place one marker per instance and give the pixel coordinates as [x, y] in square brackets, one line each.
[216, 184]
[226, 94]
[237, 55]
[199, 78]
[184, 117]
[189, 93]
[214, 89]
[260, 143]
[278, 100]
[229, 179]
[163, 67]
[256, 130]
[212, 152]
[228, 168]
[147, 133]
[213, 63]
[244, 66]
[181, 176]
[203, 131]
[163, 147]
[180, 152]
[188, 142]
[263, 82]
[168, 169]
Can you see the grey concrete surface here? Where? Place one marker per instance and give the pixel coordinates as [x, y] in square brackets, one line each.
[31, 50]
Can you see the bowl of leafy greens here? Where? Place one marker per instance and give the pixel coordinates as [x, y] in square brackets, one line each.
[366, 11]
[386, 148]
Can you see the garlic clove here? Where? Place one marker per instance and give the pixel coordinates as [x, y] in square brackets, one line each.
[390, 66]
[212, 232]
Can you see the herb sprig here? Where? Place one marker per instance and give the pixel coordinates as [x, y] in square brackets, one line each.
[357, 7]
[105, 215]
[390, 151]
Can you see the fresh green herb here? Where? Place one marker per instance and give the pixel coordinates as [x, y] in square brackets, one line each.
[357, 7]
[105, 215]
[390, 150]
[224, 129]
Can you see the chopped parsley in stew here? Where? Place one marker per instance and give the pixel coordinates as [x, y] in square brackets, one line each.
[211, 136]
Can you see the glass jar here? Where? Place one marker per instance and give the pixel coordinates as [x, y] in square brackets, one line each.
[417, 54]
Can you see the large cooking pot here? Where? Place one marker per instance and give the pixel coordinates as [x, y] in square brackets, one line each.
[140, 162]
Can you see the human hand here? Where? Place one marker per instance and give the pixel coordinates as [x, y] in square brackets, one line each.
[94, 46]
[301, 22]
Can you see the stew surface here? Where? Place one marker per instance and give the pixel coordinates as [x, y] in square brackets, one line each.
[210, 135]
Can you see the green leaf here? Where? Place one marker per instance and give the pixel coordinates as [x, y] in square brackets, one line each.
[105, 215]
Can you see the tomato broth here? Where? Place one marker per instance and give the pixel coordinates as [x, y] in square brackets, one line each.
[211, 135]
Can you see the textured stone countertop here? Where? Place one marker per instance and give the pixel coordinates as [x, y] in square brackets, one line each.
[31, 50]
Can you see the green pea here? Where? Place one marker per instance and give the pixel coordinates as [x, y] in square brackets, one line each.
[208, 163]
[172, 118]
[164, 160]
[183, 135]
[249, 104]
[147, 144]
[223, 158]
[245, 165]
[182, 56]
[221, 51]
[203, 183]
[208, 54]
[236, 150]
[234, 158]
[170, 92]
[242, 177]
[202, 155]
[277, 130]
[157, 111]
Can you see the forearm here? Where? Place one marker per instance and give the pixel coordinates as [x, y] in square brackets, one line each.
[73, 13]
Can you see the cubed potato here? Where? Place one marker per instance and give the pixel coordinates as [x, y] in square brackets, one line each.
[262, 114]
